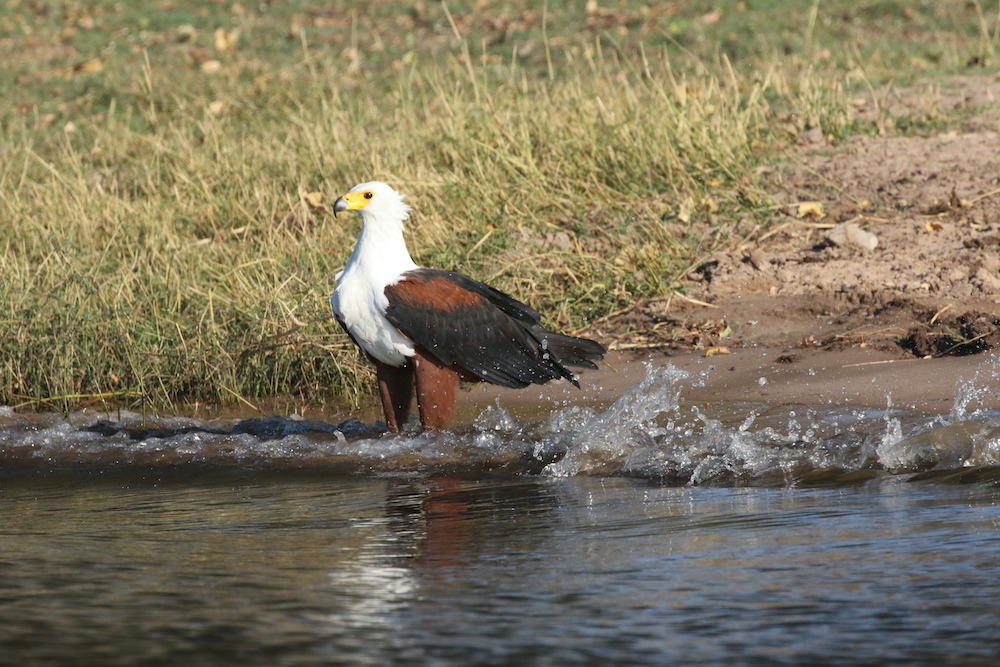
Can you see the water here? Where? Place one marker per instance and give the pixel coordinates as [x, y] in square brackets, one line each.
[647, 532]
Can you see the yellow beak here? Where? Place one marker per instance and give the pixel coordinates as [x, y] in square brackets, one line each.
[352, 201]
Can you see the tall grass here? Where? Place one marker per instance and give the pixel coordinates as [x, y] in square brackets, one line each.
[175, 257]
[159, 243]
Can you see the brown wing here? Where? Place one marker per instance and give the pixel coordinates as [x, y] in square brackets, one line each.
[482, 330]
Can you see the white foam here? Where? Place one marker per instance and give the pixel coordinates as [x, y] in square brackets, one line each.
[649, 432]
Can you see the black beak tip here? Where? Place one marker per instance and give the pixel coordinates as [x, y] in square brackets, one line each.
[339, 205]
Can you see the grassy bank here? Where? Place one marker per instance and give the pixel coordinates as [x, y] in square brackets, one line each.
[165, 172]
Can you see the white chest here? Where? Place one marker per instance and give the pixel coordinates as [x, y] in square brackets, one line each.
[379, 259]
[361, 306]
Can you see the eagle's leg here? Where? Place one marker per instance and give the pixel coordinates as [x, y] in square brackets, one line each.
[395, 386]
[437, 390]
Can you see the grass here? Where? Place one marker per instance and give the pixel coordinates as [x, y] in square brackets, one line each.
[166, 170]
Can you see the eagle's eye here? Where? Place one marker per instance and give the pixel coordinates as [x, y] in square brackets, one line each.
[368, 195]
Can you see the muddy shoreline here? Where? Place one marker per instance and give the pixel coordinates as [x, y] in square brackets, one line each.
[801, 314]
[853, 377]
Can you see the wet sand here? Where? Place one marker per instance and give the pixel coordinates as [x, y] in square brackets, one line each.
[855, 377]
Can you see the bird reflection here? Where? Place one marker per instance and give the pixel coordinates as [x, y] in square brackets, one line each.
[432, 532]
[449, 522]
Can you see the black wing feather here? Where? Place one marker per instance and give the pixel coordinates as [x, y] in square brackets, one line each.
[495, 337]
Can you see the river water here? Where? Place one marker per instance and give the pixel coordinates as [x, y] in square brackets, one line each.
[649, 531]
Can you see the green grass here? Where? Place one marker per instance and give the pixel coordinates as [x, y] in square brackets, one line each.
[156, 246]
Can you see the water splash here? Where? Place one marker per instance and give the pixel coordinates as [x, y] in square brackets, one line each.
[964, 444]
[962, 439]
[650, 432]
[983, 384]
[605, 442]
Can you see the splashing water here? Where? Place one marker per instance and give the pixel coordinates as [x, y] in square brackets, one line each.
[604, 443]
[982, 384]
[650, 432]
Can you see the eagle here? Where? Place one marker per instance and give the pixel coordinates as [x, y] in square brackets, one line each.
[433, 328]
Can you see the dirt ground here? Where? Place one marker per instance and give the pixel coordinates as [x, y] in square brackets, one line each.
[906, 303]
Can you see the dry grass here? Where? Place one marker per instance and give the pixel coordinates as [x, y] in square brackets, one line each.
[158, 245]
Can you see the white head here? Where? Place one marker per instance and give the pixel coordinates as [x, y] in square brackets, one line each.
[377, 202]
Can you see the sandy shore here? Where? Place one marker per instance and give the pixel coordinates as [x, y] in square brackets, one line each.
[811, 319]
[857, 377]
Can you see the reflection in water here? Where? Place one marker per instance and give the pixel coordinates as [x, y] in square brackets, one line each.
[297, 570]
[650, 532]
[432, 530]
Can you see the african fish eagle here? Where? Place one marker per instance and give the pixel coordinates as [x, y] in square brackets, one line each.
[437, 327]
